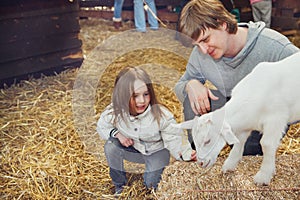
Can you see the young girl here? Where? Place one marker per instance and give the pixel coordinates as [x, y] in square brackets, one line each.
[138, 129]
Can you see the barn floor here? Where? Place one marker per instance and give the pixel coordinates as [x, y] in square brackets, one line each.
[45, 153]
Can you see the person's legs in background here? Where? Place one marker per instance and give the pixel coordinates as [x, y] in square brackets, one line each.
[117, 18]
[153, 22]
[139, 16]
[262, 11]
[266, 11]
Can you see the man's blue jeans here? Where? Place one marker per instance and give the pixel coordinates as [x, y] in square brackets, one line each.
[139, 15]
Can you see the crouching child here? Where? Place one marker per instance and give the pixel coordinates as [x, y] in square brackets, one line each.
[137, 128]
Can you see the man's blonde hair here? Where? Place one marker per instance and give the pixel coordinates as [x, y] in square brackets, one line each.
[199, 15]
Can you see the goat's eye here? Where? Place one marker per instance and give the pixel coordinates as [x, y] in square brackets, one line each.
[207, 142]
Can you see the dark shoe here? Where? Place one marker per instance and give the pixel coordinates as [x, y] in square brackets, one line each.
[252, 145]
[118, 190]
[117, 25]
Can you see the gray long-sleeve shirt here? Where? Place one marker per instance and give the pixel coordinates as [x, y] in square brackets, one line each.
[263, 45]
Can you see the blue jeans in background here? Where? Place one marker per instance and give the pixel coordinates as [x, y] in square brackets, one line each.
[139, 15]
[155, 163]
[118, 4]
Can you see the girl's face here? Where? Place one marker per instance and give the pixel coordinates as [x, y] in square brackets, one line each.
[140, 98]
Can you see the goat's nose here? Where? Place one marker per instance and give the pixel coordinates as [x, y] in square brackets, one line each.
[201, 163]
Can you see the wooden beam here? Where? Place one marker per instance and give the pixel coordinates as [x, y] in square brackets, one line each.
[127, 3]
[290, 32]
[62, 59]
[38, 46]
[17, 29]
[285, 23]
[164, 15]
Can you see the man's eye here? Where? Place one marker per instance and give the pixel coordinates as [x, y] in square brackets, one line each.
[207, 142]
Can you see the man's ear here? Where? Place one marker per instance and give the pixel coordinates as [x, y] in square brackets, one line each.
[224, 26]
[228, 135]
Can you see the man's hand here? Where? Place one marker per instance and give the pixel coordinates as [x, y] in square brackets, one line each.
[126, 142]
[199, 96]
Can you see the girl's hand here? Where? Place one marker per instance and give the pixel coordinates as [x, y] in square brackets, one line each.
[194, 155]
[189, 155]
[126, 142]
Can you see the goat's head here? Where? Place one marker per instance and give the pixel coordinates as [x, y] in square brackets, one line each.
[210, 135]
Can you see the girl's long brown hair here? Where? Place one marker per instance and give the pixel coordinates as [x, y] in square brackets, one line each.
[124, 89]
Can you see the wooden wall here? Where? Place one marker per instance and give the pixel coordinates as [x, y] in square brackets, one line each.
[38, 36]
[286, 15]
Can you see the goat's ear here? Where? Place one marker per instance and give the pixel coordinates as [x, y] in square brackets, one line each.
[185, 125]
[228, 135]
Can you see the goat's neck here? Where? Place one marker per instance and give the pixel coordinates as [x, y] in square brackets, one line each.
[233, 114]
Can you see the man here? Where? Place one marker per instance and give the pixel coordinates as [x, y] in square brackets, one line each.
[224, 53]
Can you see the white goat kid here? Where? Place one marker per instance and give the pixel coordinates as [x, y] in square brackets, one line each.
[266, 100]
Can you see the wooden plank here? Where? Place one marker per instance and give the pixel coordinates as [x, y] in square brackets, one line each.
[241, 3]
[38, 46]
[292, 4]
[127, 3]
[38, 13]
[284, 23]
[33, 27]
[127, 15]
[164, 15]
[290, 32]
[94, 3]
[47, 72]
[49, 61]
[287, 12]
[23, 8]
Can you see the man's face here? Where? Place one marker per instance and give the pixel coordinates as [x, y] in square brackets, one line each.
[213, 42]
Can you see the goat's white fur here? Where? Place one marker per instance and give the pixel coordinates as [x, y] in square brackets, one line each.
[266, 100]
